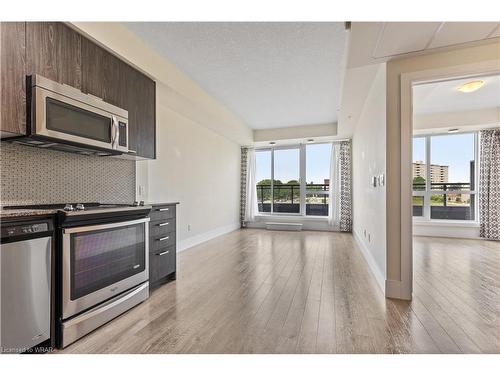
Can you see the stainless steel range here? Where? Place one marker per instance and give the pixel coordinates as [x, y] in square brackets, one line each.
[102, 264]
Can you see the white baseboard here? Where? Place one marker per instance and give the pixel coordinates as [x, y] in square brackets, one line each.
[379, 277]
[200, 238]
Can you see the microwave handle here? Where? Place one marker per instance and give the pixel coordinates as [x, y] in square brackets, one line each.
[115, 132]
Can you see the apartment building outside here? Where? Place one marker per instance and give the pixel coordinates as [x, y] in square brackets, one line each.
[439, 173]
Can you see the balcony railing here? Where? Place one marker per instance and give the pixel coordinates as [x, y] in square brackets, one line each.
[448, 201]
[287, 198]
[444, 186]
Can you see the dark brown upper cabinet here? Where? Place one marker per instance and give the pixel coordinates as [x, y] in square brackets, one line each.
[57, 52]
[54, 51]
[101, 73]
[107, 77]
[139, 100]
[13, 82]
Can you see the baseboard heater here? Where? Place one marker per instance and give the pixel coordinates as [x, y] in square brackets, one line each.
[284, 226]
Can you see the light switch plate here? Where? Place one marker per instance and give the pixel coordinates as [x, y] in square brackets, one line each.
[381, 179]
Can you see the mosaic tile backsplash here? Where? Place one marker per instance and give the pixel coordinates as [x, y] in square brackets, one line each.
[35, 176]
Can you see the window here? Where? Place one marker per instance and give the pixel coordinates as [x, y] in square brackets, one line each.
[286, 185]
[318, 178]
[294, 180]
[419, 175]
[444, 174]
[263, 178]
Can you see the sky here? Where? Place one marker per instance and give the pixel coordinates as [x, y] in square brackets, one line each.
[286, 164]
[454, 150]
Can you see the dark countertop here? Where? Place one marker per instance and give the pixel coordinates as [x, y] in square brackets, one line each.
[160, 203]
[4, 214]
[8, 213]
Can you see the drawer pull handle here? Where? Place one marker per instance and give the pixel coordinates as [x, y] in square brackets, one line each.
[163, 238]
[163, 209]
[163, 253]
[163, 224]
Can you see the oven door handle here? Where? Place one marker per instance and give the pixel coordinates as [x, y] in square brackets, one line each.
[90, 228]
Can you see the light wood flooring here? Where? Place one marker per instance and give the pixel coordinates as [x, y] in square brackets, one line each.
[258, 291]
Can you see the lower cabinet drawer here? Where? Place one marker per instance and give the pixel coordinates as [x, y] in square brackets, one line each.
[161, 241]
[157, 228]
[162, 212]
[161, 263]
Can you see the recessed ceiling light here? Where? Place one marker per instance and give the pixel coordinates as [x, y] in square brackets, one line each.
[471, 86]
[453, 130]
[310, 140]
[272, 143]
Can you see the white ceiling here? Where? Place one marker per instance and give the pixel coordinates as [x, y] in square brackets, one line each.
[444, 97]
[376, 42]
[267, 73]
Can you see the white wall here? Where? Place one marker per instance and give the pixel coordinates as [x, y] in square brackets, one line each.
[369, 153]
[295, 132]
[467, 120]
[197, 143]
[197, 167]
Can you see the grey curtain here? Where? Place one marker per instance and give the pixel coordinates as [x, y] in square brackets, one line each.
[489, 184]
[243, 186]
[345, 187]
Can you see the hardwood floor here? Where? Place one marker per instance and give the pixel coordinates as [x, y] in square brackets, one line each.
[257, 291]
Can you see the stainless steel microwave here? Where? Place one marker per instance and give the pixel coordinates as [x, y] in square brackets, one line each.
[63, 118]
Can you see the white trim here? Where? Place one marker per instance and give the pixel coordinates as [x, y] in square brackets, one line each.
[407, 80]
[372, 264]
[396, 289]
[200, 238]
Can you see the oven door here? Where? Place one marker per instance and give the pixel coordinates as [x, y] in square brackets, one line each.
[101, 261]
[60, 117]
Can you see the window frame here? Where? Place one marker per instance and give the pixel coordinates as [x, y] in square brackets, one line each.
[426, 194]
[302, 180]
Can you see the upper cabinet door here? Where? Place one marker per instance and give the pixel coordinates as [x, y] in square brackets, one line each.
[13, 86]
[53, 50]
[101, 73]
[138, 97]
[146, 117]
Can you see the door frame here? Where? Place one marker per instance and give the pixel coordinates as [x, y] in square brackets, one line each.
[407, 80]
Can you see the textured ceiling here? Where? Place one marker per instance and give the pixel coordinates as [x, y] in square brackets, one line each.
[268, 74]
[444, 97]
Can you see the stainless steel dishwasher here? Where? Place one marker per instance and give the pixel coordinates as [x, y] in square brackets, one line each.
[25, 259]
